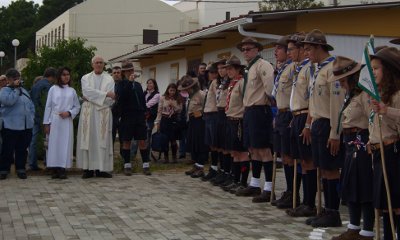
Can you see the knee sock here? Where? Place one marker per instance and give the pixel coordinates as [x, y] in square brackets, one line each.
[245, 169]
[256, 167]
[387, 230]
[311, 187]
[236, 171]
[202, 158]
[326, 193]
[368, 216]
[289, 177]
[355, 213]
[305, 185]
[214, 158]
[334, 199]
[268, 170]
[227, 163]
[221, 161]
[298, 183]
[145, 157]
[126, 155]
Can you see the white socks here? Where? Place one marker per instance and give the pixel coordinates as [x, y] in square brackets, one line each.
[146, 165]
[128, 165]
[255, 182]
[214, 167]
[268, 186]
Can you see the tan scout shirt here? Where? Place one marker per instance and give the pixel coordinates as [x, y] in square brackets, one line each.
[167, 107]
[236, 108]
[326, 99]
[221, 94]
[390, 124]
[285, 83]
[211, 100]
[354, 115]
[300, 95]
[196, 102]
[260, 82]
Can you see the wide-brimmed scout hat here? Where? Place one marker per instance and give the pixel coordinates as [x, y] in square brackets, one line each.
[395, 41]
[218, 62]
[234, 61]
[250, 40]
[187, 82]
[390, 55]
[317, 37]
[297, 38]
[211, 68]
[283, 41]
[126, 66]
[343, 67]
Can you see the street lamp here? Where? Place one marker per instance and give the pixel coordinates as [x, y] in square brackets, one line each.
[15, 43]
[2, 54]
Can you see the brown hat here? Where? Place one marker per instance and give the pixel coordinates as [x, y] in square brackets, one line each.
[126, 66]
[297, 38]
[317, 37]
[187, 82]
[211, 69]
[395, 41]
[390, 55]
[250, 40]
[283, 41]
[234, 61]
[218, 62]
[343, 67]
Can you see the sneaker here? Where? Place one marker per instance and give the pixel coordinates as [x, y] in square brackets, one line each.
[128, 171]
[191, 171]
[22, 175]
[146, 171]
[330, 219]
[302, 211]
[248, 192]
[210, 175]
[350, 234]
[88, 174]
[311, 219]
[103, 174]
[3, 176]
[265, 196]
[198, 173]
[284, 195]
[288, 202]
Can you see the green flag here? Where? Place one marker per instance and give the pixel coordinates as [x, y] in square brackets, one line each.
[367, 80]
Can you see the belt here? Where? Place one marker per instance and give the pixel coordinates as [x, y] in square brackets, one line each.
[234, 119]
[221, 109]
[348, 131]
[196, 114]
[298, 112]
[282, 110]
[169, 116]
[377, 146]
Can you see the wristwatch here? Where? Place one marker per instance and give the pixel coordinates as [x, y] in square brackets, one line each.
[308, 126]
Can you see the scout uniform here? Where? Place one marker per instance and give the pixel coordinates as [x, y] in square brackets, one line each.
[325, 103]
[356, 174]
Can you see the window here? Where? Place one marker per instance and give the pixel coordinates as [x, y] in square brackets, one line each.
[59, 33]
[174, 73]
[152, 73]
[63, 31]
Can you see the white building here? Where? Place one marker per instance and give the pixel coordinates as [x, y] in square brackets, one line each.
[114, 27]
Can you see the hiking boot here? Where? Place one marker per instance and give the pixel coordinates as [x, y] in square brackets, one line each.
[191, 171]
[350, 234]
[88, 174]
[248, 192]
[230, 186]
[210, 175]
[128, 171]
[228, 181]
[311, 219]
[198, 173]
[288, 202]
[146, 171]
[302, 211]
[330, 219]
[220, 179]
[284, 195]
[265, 196]
[240, 187]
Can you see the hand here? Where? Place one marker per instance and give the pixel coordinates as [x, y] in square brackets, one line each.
[306, 134]
[334, 146]
[47, 129]
[111, 95]
[157, 127]
[65, 115]
[379, 107]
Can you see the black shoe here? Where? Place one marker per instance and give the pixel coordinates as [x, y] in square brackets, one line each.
[228, 181]
[198, 173]
[3, 176]
[236, 189]
[330, 219]
[22, 175]
[302, 211]
[210, 175]
[35, 168]
[312, 219]
[217, 176]
[182, 156]
[62, 173]
[288, 202]
[249, 192]
[221, 179]
[284, 195]
[146, 171]
[192, 170]
[265, 196]
[88, 174]
[230, 186]
[55, 174]
[103, 174]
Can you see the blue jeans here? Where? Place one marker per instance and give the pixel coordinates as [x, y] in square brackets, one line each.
[32, 160]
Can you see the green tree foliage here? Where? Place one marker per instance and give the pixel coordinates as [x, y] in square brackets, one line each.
[51, 9]
[71, 53]
[275, 5]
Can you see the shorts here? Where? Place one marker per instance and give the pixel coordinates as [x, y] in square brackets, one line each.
[257, 127]
[282, 133]
[299, 150]
[133, 128]
[211, 120]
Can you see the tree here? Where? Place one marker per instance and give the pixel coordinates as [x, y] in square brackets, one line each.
[51, 9]
[274, 5]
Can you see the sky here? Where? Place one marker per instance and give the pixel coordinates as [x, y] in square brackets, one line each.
[6, 2]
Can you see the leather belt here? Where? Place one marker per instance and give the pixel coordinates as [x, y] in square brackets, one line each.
[377, 146]
[221, 109]
[234, 119]
[196, 114]
[282, 110]
[348, 131]
[298, 112]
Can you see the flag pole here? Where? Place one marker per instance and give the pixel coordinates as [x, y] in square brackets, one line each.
[385, 178]
[273, 178]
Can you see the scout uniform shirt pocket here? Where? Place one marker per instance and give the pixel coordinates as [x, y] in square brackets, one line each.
[321, 88]
[284, 83]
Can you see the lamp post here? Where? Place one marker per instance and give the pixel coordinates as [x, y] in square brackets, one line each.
[15, 43]
[2, 54]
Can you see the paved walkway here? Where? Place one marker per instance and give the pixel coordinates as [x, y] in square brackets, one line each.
[162, 206]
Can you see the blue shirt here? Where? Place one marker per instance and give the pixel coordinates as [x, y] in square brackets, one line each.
[17, 109]
[39, 90]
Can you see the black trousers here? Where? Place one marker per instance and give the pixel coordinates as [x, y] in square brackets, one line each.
[15, 143]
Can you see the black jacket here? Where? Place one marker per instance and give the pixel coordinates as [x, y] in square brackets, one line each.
[130, 98]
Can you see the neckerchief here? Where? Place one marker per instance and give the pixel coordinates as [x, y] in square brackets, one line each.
[346, 103]
[246, 72]
[276, 80]
[221, 87]
[296, 75]
[187, 108]
[230, 89]
[315, 75]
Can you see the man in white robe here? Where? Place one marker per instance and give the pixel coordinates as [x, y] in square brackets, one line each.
[94, 152]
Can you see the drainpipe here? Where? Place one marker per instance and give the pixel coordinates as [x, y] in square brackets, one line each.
[256, 34]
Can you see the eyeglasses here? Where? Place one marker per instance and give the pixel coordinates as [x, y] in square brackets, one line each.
[246, 49]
